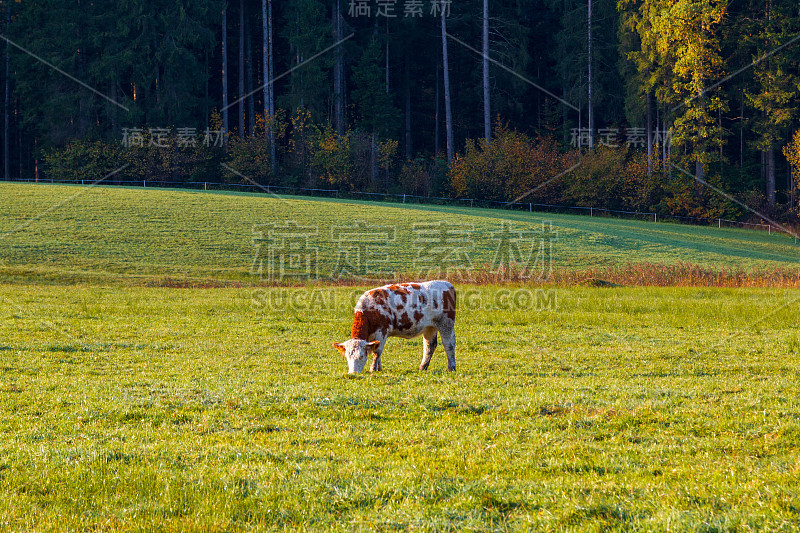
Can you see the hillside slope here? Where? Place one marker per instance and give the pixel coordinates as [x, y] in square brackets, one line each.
[68, 233]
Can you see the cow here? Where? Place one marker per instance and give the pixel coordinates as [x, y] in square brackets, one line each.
[402, 310]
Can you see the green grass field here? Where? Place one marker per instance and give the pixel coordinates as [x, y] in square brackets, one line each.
[104, 234]
[128, 407]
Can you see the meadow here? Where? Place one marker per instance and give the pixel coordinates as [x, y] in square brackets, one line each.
[130, 405]
[118, 235]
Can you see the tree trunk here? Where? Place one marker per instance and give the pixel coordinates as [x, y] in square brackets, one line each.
[721, 161]
[242, 131]
[225, 69]
[19, 139]
[741, 133]
[770, 171]
[265, 62]
[448, 116]
[487, 112]
[790, 178]
[338, 71]
[6, 165]
[251, 104]
[298, 59]
[407, 83]
[273, 157]
[269, 103]
[589, 62]
[387, 55]
[436, 116]
[206, 101]
[649, 132]
[564, 95]
[373, 160]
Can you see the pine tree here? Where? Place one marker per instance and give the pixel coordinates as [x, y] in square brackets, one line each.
[689, 29]
[376, 113]
[774, 96]
[306, 29]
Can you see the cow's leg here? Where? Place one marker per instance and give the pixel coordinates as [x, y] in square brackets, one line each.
[376, 363]
[448, 333]
[428, 346]
[376, 358]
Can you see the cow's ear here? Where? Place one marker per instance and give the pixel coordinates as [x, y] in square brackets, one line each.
[339, 346]
[373, 345]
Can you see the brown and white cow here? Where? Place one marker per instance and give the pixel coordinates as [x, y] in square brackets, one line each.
[402, 310]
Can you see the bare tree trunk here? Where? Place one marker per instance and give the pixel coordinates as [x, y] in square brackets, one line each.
[487, 113]
[225, 69]
[448, 115]
[649, 132]
[741, 132]
[338, 71]
[19, 139]
[242, 131]
[790, 178]
[206, 102]
[721, 161]
[6, 166]
[436, 116]
[386, 69]
[564, 95]
[770, 155]
[407, 83]
[373, 159]
[269, 102]
[299, 59]
[589, 62]
[770, 169]
[660, 124]
[251, 104]
[271, 87]
[265, 61]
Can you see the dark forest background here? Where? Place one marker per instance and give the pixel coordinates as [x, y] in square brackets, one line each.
[360, 98]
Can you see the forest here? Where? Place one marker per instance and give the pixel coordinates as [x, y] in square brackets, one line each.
[681, 107]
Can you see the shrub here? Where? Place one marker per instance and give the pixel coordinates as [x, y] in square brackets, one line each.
[331, 158]
[82, 160]
[614, 178]
[511, 165]
[685, 196]
[250, 157]
[792, 153]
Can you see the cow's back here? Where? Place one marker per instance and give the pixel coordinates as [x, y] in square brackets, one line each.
[404, 309]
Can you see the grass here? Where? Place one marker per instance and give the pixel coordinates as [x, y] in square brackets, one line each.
[106, 234]
[151, 382]
[628, 409]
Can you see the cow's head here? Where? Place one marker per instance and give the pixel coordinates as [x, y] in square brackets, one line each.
[356, 351]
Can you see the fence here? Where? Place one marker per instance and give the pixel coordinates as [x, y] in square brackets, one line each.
[434, 200]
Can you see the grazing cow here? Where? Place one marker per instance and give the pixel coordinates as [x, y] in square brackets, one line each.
[402, 310]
